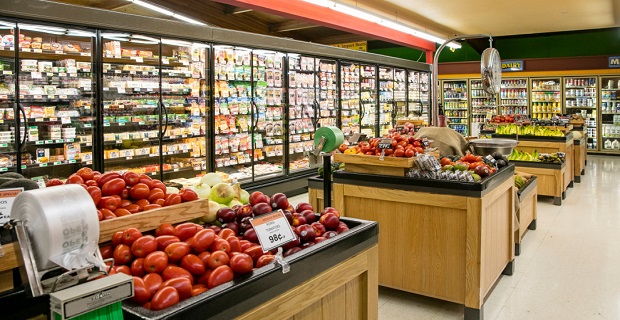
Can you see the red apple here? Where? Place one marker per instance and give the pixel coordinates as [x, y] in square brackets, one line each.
[330, 234]
[291, 208]
[213, 227]
[306, 245]
[292, 244]
[244, 211]
[225, 215]
[289, 216]
[330, 220]
[306, 233]
[250, 235]
[292, 251]
[258, 197]
[304, 206]
[244, 224]
[261, 208]
[279, 201]
[232, 226]
[330, 209]
[309, 215]
[319, 228]
[298, 219]
[342, 227]
[319, 239]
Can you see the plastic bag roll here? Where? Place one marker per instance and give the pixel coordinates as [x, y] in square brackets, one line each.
[333, 138]
[61, 222]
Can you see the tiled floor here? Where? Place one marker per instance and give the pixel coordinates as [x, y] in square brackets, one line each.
[569, 268]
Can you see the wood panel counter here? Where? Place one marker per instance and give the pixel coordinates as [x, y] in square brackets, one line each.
[442, 239]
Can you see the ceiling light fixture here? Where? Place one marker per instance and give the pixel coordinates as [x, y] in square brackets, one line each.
[355, 12]
[167, 12]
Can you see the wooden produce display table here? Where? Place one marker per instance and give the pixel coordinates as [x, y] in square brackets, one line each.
[441, 239]
[315, 192]
[551, 178]
[580, 157]
[527, 213]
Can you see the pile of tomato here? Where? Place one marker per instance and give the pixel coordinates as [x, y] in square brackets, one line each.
[117, 195]
[401, 146]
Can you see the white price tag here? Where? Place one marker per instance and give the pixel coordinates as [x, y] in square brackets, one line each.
[7, 196]
[139, 59]
[273, 230]
[36, 75]
[120, 90]
[65, 120]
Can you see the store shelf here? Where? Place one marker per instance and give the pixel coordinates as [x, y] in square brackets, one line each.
[57, 163]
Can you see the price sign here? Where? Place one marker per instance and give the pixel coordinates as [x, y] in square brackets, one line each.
[385, 144]
[7, 196]
[355, 138]
[273, 230]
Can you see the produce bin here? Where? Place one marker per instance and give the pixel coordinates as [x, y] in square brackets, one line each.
[527, 211]
[581, 152]
[442, 239]
[551, 178]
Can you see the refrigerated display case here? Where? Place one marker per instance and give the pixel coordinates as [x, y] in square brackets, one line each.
[400, 94]
[349, 98]
[513, 96]
[483, 106]
[417, 94]
[56, 99]
[455, 105]
[387, 109]
[327, 91]
[368, 98]
[8, 125]
[610, 114]
[302, 117]
[546, 97]
[580, 96]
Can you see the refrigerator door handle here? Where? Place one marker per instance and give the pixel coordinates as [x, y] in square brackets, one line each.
[165, 111]
[315, 114]
[254, 112]
[22, 143]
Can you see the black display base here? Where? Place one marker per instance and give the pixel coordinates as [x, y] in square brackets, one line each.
[564, 195]
[532, 225]
[510, 268]
[474, 314]
[578, 179]
[583, 172]
[571, 184]
[558, 200]
[517, 249]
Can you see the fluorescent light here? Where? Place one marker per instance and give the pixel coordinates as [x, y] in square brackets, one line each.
[137, 36]
[166, 12]
[355, 12]
[114, 35]
[143, 41]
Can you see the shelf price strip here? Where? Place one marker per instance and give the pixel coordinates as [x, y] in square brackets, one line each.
[273, 230]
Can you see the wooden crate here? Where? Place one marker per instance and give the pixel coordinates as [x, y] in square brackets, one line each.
[389, 166]
[527, 213]
[543, 146]
[550, 180]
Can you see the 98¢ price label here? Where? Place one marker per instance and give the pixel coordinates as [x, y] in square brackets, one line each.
[273, 230]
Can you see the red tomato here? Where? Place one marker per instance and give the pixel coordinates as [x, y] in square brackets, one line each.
[254, 252]
[172, 272]
[193, 264]
[234, 243]
[151, 207]
[159, 185]
[445, 161]
[122, 254]
[198, 290]
[155, 194]
[165, 229]
[107, 177]
[204, 278]
[133, 208]
[95, 193]
[203, 239]
[113, 186]
[177, 250]
[86, 173]
[146, 180]
[218, 258]
[137, 268]
[130, 235]
[142, 203]
[107, 214]
[165, 240]
[74, 179]
[109, 203]
[265, 260]
[221, 274]
[123, 269]
[131, 178]
[165, 298]
[399, 152]
[155, 262]
[204, 256]
[183, 286]
[419, 150]
[409, 153]
[139, 191]
[141, 293]
[225, 233]
[160, 202]
[91, 183]
[124, 203]
[117, 238]
[152, 282]
[245, 244]
[241, 263]
[121, 212]
[124, 193]
[172, 199]
[99, 215]
[220, 245]
[186, 230]
[143, 246]
[107, 252]
[188, 195]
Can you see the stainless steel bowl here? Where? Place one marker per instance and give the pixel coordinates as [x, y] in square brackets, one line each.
[483, 147]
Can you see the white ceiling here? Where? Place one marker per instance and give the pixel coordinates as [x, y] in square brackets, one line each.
[499, 17]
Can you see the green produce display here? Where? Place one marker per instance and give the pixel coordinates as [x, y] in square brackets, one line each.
[513, 129]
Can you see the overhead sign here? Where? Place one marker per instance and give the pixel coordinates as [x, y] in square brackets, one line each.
[614, 62]
[512, 65]
[359, 46]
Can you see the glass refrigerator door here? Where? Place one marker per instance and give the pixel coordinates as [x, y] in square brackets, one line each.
[233, 112]
[386, 100]
[455, 105]
[483, 106]
[302, 122]
[425, 96]
[580, 97]
[269, 131]
[350, 98]
[8, 145]
[328, 92]
[368, 98]
[56, 95]
[546, 97]
[610, 116]
[184, 98]
[513, 97]
[131, 103]
[414, 101]
[400, 94]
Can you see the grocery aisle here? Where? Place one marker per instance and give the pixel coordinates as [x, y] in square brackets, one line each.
[568, 267]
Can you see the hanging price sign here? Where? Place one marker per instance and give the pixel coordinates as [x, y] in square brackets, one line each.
[384, 144]
[273, 230]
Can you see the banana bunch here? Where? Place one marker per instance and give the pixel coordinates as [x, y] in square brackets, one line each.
[523, 156]
[540, 131]
[519, 182]
[510, 129]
